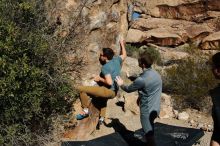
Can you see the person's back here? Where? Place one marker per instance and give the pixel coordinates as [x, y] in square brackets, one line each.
[151, 92]
[149, 87]
[113, 67]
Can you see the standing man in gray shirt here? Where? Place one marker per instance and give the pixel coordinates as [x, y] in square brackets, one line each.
[149, 87]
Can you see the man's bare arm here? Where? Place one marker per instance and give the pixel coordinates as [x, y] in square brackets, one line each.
[107, 80]
[123, 53]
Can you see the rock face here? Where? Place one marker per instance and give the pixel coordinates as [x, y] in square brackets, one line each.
[212, 41]
[166, 110]
[85, 126]
[103, 23]
[176, 22]
[177, 9]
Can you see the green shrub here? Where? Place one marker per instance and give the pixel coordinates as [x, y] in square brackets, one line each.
[32, 84]
[132, 50]
[154, 53]
[190, 81]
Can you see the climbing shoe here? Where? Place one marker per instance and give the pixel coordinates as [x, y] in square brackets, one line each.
[81, 116]
[84, 114]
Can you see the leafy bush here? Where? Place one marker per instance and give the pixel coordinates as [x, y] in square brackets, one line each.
[190, 81]
[32, 83]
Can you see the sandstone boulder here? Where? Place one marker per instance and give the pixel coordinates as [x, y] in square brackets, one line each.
[211, 42]
[183, 116]
[152, 23]
[197, 32]
[166, 110]
[97, 20]
[131, 103]
[159, 31]
[135, 36]
[178, 9]
[84, 127]
[130, 66]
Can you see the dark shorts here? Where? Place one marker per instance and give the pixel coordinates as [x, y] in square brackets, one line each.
[147, 122]
[216, 136]
[216, 132]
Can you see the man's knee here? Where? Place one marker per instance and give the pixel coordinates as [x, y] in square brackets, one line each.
[80, 88]
[112, 96]
[108, 93]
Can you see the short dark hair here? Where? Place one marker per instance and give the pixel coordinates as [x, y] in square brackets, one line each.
[216, 60]
[108, 52]
[146, 59]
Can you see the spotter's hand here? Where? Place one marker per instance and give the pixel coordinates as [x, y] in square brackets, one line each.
[119, 81]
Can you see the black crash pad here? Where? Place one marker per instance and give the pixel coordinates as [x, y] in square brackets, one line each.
[165, 135]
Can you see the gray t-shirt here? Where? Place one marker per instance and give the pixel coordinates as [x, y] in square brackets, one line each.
[149, 86]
